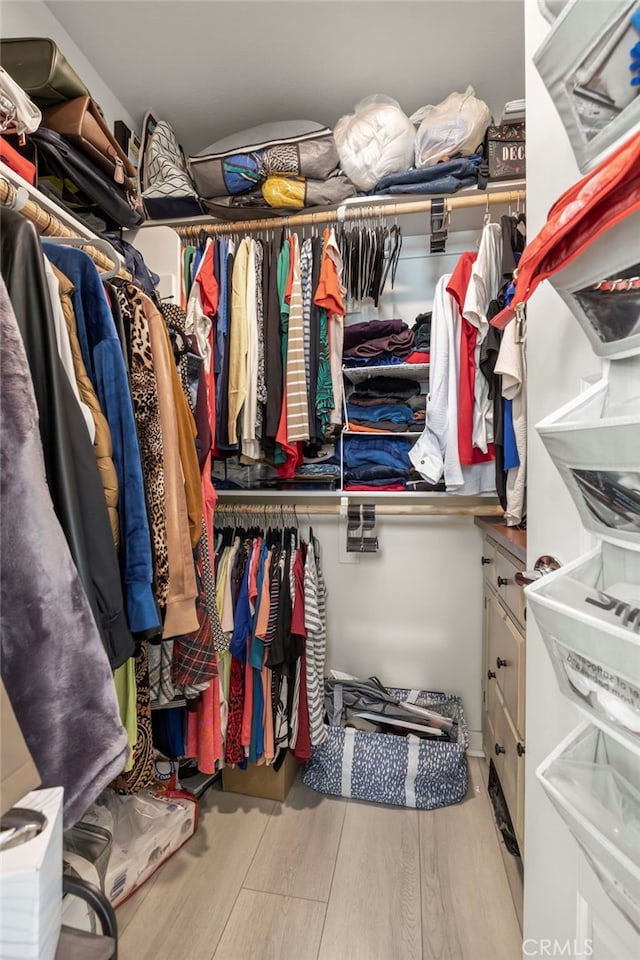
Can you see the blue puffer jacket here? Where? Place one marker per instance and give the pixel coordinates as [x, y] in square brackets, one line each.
[103, 358]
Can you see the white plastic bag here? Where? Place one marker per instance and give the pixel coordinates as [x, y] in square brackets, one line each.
[457, 125]
[374, 141]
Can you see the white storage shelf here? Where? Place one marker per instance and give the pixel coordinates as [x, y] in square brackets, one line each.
[594, 783]
[585, 612]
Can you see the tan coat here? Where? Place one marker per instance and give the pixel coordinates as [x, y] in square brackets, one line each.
[181, 601]
[102, 445]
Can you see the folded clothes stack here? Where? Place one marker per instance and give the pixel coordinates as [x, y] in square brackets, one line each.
[421, 340]
[386, 404]
[377, 343]
[376, 464]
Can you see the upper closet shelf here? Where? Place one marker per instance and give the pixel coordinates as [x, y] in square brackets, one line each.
[468, 204]
[414, 371]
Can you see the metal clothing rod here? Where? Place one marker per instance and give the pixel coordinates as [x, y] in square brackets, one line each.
[50, 226]
[349, 213]
[334, 509]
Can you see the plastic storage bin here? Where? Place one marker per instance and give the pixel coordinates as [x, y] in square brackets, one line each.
[594, 783]
[595, 444]
[589, 616]
[584, 63]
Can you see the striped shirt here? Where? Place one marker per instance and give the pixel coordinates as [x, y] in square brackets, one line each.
[315, 649]
[296, 380]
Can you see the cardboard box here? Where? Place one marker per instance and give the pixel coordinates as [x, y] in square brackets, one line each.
[506, 151]
[262, 781]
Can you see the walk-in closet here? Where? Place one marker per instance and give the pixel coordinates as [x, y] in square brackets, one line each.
[320, 486]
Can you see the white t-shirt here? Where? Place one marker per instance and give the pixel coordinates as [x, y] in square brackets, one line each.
[484, 284]
[511, 365]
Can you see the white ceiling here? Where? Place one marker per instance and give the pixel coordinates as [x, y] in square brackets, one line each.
[214, 67]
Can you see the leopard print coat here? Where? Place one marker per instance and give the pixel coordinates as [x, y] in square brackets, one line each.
[144, 391]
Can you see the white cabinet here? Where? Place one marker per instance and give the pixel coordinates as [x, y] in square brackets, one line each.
[503, 715]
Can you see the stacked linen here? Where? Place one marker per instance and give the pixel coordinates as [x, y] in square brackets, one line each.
[421, 340]
[377, 343]
[386, 404]
[376, 463]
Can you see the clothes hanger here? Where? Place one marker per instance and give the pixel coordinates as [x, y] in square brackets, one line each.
[100, 244]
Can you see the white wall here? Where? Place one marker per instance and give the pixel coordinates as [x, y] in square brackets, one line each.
[412, 613]
[32, 18]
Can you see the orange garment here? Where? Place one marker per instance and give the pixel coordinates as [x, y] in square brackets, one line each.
[357, 428]
[262, 619]
[329, 293]
[204, 741]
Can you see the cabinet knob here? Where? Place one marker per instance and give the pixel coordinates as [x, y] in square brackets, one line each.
[501, 663]
[498, 749]
[503, 581]
[491, 675]
[520, 749]
[485, 560]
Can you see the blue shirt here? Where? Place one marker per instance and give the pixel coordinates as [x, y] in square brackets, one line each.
[103, 358]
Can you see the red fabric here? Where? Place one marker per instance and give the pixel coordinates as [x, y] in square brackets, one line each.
[302, 749]
[457, 288]
[587, 209]
[418, 357]
[366, 487]
[480, 457]
[234, 752]
[209, 291]
[17, 162]
[292, 451]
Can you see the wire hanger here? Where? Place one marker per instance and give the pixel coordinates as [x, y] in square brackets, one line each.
[99, 243]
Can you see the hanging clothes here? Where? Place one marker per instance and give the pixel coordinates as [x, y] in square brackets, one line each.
[484, 283]
[70, 464]
[65, 684]
[103, 358]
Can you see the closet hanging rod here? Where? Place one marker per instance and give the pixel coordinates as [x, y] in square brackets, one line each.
[50, 226]
[334, 510]
[364, 212]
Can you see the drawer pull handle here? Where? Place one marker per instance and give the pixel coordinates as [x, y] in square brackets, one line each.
[491, 675]
[520, 749]
[501, 663]
[503, 581]
[485, 560]
[498, 749]
[544, 565]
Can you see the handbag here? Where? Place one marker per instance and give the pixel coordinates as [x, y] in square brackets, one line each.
[67, 174]
[167, 188]
[37, 65]
[18, 114]
[81, 122]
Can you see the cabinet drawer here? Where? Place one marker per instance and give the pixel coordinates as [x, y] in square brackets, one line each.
[504, 573]
[508, 762]
[506, 647]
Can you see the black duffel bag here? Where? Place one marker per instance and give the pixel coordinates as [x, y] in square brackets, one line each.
[69, 177]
